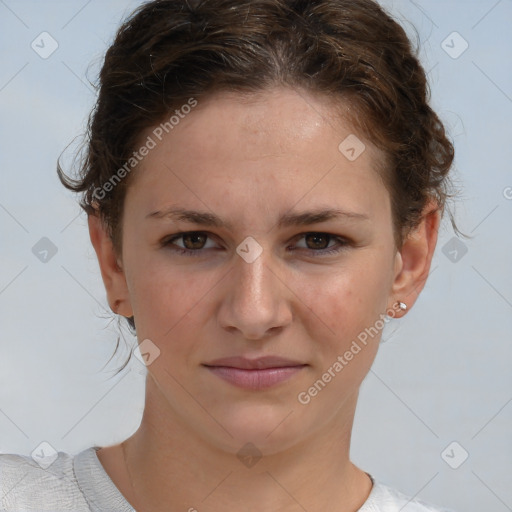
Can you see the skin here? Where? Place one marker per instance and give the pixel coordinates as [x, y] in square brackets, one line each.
[248, 161]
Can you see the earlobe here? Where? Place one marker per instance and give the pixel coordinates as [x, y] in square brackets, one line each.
[112, 274]
[415, 257]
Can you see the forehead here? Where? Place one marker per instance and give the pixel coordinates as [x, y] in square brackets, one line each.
[278, 141]
[276, 121]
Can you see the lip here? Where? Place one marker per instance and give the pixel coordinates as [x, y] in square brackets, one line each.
[255, 374]
[260, 363]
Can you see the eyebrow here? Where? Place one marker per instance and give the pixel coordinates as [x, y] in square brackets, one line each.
[287, 219]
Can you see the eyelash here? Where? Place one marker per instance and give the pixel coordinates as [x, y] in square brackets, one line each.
[343, 243]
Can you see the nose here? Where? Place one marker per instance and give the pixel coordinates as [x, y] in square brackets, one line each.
[256, 300]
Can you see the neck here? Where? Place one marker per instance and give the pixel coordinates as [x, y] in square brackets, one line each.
[170, 467]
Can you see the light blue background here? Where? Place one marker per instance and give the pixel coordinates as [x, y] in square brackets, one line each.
[443, 371]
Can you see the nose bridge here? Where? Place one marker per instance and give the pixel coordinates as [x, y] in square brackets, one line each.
[254, 288]
[254, 282]
[254, 303]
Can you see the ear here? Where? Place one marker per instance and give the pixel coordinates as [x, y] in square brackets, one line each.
[413, 260]
[113, 276]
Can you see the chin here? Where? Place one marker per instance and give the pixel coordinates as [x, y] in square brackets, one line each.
[269, 428]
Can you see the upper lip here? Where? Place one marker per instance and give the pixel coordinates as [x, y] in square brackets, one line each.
[254, 364]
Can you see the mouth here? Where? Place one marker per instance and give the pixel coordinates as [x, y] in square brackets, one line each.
[255, 374]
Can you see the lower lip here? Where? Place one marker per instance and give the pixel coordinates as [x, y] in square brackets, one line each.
[255, 379]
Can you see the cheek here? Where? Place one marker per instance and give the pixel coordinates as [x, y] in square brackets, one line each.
[350, 300]
[346, 339]
[174, 306]
[167, 300]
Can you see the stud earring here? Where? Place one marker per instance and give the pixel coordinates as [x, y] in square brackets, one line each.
[402, 306]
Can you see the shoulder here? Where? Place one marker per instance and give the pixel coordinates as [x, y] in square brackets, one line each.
[386, 499]
[26, 485]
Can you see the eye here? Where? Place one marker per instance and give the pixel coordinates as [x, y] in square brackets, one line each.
[194, 243]
[320, 243]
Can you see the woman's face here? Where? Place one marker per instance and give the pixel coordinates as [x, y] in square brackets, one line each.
[253, 286]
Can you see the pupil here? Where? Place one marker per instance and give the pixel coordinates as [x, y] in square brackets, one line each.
[316, 237]
[193, 236]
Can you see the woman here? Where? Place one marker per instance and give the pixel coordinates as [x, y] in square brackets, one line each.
[264, 183]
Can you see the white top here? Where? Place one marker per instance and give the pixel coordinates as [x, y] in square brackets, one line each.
[79, 483]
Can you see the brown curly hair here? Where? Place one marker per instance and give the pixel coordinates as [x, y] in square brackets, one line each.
[169, 51]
